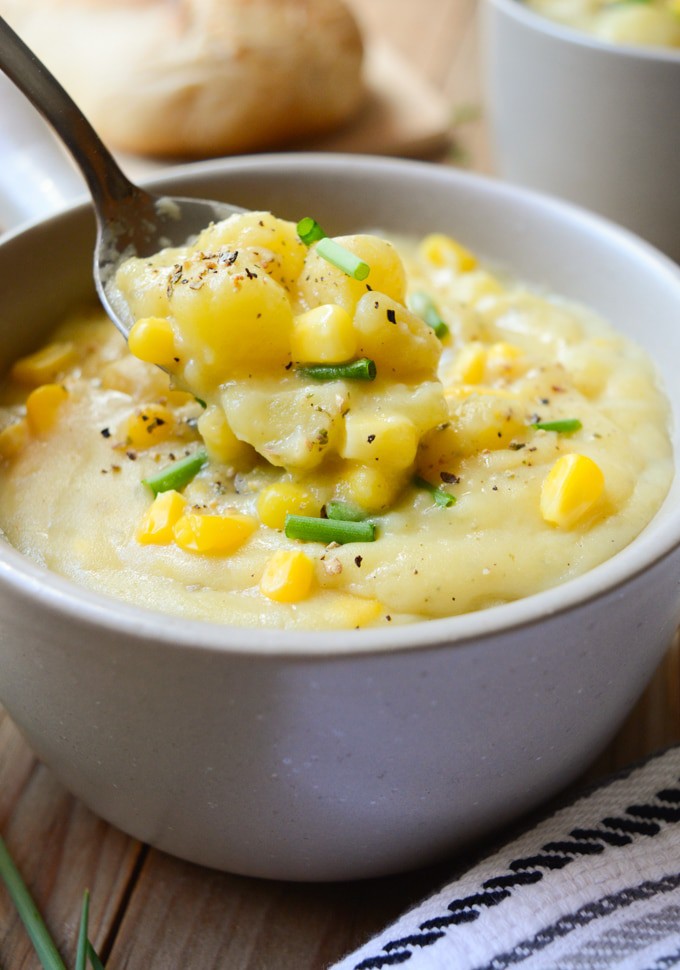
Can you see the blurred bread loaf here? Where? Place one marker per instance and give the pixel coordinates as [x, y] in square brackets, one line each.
[192, 78]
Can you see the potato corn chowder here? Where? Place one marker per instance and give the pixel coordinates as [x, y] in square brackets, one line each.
[345, 433]
[654, 23]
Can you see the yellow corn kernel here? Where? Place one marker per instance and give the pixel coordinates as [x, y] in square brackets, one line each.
[369, 487]
[149, 425]
[570, 489]
[390, 439]
[152, 339]
[469, 364]
[441, 251]
[220, 440]
[42, 407]
[213, 535]
[45, 364]
[349, 611]
[458, 392]
[504, 360]
[477, 285]
[287, 577]
[277, 501]
[179, 399]
[504, 353]
[157, 525]
[324, 335]
[12, 439]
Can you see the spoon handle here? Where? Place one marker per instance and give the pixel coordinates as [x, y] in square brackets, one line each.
[106, 182]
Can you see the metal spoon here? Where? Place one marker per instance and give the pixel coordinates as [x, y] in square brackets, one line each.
[130, 221]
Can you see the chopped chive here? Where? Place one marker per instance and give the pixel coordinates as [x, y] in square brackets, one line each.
[94, 957]
[201, 402]
[309, 230]
[421, 304]
[567, 426]
[336, 254]
[35, 927]
[362, 369]
[328, 530]
[81, 952]
[177, 475]
[440, 495]
[347, 511]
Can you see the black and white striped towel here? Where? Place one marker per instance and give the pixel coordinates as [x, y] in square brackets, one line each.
[594, 886]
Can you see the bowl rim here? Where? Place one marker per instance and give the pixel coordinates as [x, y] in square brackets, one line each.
[63, 596]
[527, 17]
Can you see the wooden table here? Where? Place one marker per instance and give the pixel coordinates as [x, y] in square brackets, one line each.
[152, 912]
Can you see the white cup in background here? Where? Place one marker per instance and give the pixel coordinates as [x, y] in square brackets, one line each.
[592, 122]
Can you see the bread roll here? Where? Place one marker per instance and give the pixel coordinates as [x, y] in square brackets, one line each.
[192, 78]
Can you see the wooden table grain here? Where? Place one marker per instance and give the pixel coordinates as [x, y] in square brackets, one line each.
[153, 912]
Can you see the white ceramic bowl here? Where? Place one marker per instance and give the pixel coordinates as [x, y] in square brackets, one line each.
[592, 122]
[342, 754]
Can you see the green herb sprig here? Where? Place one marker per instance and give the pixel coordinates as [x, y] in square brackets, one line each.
[178, 474]
[423, 307]
[440, 496]
[565, 426]
[347, 511]
[361, 369]
[311, 529]
[310, 231]
[39, 935]
[343, 259]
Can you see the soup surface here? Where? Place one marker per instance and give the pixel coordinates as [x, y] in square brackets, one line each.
[653, 23]
[345, 433]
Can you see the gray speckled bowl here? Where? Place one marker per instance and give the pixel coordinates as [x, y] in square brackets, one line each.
[592, 122]
[340, 755]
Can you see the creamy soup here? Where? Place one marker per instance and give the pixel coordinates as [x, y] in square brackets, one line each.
[344, 433]
[649, 22]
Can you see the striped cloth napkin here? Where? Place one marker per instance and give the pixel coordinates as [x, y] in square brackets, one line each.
[594, 886]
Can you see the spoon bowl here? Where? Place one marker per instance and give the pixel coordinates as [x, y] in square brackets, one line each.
[130, 221]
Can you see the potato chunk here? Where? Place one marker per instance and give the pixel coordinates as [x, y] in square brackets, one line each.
[321, 282]
[292, 427]
[400, 343]
[282, 251]
[233, 320]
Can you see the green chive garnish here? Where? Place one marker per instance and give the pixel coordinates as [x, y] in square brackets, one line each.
[28, 911]
[94, 957]
[362, 369]
[177, 475]
[309, 230]
[336, 254]
[423, 307]
[567, 426]
[328, 530]
[440, 495]
[81, 952]
[347, 511]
